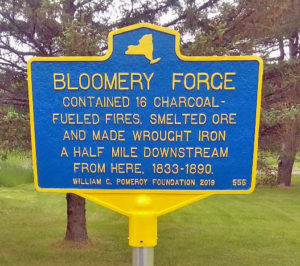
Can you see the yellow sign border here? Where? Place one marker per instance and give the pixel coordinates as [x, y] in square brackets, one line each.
[183, 58]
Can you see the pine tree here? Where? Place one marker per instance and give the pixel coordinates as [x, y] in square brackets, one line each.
[270, 28]
[71, 27]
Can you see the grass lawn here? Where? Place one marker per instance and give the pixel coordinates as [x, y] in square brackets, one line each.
[16, 170]
[262, 228]
[272, 160]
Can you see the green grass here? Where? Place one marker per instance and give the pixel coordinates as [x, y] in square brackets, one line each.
[16, 170]
[257, 229]
[272, 160]
[297, 162]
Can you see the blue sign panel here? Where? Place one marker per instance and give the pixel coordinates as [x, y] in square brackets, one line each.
[145, 118]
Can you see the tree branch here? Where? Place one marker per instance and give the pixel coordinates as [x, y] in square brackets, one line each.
[11, 64]
[183, 16]
[31, 38]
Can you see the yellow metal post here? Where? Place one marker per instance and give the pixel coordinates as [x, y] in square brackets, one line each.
[143, 230]
[143, 238]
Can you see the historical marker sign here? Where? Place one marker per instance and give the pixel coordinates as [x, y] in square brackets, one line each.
[145, 118]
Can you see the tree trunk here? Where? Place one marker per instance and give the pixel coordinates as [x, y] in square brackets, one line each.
[76, 225]
[285, 169]
[287, 156]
